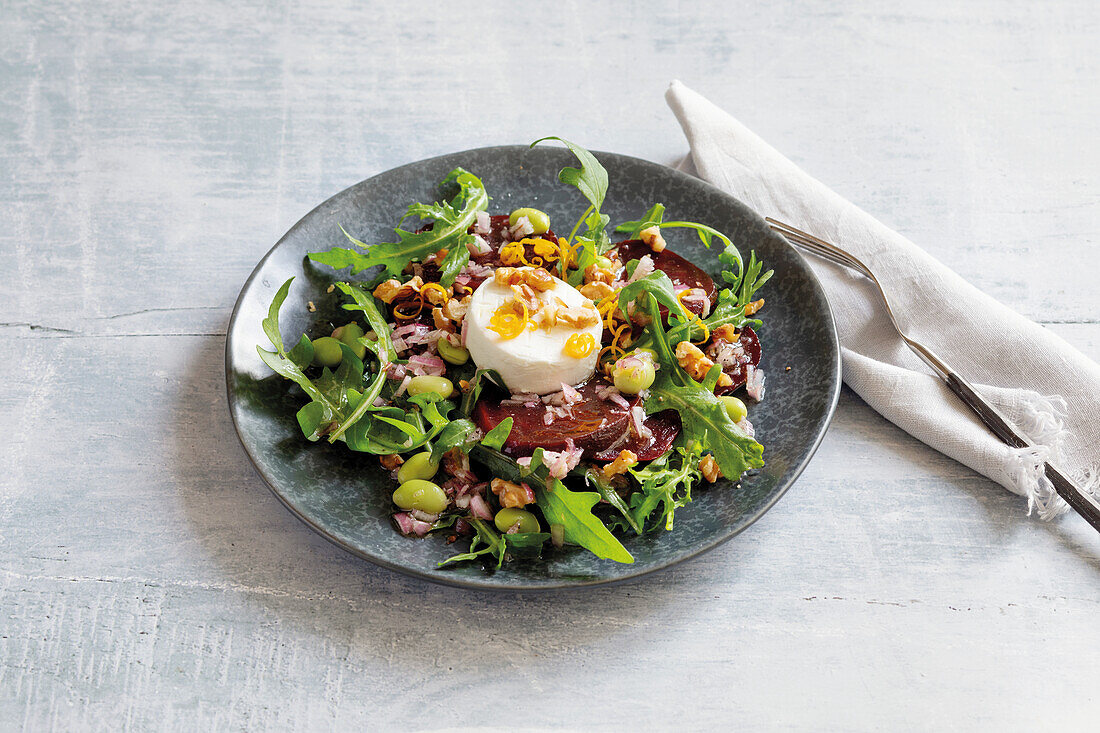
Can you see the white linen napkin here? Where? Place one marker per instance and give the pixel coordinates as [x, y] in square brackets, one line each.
[1048, 388]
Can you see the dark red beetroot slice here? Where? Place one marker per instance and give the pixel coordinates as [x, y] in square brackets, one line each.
[679, 270]
[665, 426]
[595, 423]
[750, 342]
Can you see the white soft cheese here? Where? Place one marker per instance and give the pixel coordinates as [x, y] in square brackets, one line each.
[532, 361]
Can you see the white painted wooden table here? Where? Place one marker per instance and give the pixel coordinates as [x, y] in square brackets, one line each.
[150, 155]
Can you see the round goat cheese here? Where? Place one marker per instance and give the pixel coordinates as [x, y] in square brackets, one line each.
[535, 361]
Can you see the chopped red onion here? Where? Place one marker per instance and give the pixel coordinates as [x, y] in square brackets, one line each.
[746, 426]
[423, 516]
[482, 224]
[427, 365]
[407, 525]
[403, 386]
[637, 415]
[478, 246]
[754, 382]
[521, 228]
[525, 461]
[645, 267]
[479, 508]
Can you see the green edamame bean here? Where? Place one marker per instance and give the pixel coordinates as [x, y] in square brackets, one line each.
[507, 517]
[452, 354]
[440, 385]
[540, 221]
[419, 466]
[735, 408]
[327, 352]
[635, 378]
[420, 494]
[350, 335]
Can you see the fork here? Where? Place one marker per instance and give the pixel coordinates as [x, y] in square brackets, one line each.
[1081, 501]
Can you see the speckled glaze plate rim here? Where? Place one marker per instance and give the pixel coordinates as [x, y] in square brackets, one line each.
[486, 582]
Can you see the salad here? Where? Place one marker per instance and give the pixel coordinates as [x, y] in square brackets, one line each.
[529, 391]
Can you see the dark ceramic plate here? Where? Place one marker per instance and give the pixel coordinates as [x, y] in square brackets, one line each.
[345, 496]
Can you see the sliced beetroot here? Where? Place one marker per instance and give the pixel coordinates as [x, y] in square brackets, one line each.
[664, 426]
[750, 342]
[595, 423]
[679, 270]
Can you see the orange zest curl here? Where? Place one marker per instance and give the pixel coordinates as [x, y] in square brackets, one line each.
[434, 286]
[507, 323]
[403, 312]
[579, 345]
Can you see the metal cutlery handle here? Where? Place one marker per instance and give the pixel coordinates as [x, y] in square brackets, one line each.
[1081, 501]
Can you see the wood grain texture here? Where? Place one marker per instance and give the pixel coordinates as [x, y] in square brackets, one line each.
[150, 155]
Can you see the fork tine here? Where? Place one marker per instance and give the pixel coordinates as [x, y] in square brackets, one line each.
[818, 246]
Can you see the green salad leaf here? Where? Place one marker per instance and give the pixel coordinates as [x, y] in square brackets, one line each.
[591, 180]
[666, 485]
[500, 546]
[559, 505]
[703, 418]
[495, 438]
[450, 222]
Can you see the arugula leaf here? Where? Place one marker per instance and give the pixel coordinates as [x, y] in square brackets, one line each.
[365, 304]
[595, 478]
[559, 505]
[280, 361]
[663, 484]
[659, 285]
[495, 438]
[453, 435]
[470, 398]
[501, 546]
[653, 217]
[451, 220]
[591, 180]
[703, 418]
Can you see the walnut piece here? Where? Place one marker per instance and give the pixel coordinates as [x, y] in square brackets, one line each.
[709, 468]
[596, 290]
[625, 460]
[392, 290]
[578, 316]
[456, 309]
[441, 321]
[695, 363]
[511, 494]
[652, 237]
[391, 461]
[753, 307]
[595, 274]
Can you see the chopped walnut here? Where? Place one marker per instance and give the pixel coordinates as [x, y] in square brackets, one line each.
[506, 276]
[652, 237]
[392, 290]
[695, 362]
[456, 309]
[625, 460]
[546, 316]
[511, 494]
[727, 333]
[751, 308]
[710, 469]
[595, 274]
[391, 461]
[578, 316]
[441, 321]
[435, 296]
[311, 307]
[526, 296]
[596, 290]
[456, 463]
[538, 279]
